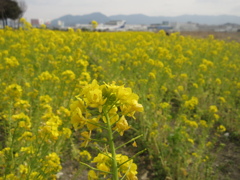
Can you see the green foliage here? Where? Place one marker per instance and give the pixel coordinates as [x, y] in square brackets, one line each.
[9, 9]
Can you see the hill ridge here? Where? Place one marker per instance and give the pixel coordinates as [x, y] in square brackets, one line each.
[72, 20]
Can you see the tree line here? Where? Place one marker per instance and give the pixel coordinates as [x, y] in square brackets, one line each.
[11, 9]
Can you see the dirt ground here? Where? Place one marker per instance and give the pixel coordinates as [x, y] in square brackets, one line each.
[227, 162]
[227, 36]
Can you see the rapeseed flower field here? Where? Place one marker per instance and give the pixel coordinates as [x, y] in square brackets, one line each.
[115, 103]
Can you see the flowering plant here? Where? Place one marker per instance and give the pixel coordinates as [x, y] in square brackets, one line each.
[105, 107]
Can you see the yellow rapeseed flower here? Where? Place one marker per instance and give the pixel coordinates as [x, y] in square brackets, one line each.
[192, 103]
[121, 125]
[221, 128]
[85, 155]
[213, 109]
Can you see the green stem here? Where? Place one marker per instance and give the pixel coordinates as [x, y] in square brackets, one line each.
[96, 124]
[133, 139]
[112, 148]
[95, 169]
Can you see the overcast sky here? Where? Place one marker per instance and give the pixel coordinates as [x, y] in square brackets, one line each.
[51, 9]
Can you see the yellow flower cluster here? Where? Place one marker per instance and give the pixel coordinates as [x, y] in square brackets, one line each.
[126, 166]
[96, 100]
[13, 91]
[192, 103]
[52, 163]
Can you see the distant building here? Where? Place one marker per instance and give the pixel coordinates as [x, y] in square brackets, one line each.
[189, 26]
[37, 22]
[84, 26]
[12, 23]
[114, 25]
[136, 27]
[47, 22]
[228, 27]
[61, 24]
[163, 26]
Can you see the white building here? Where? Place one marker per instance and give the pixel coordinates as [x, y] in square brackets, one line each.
[185, 26]
[114, 25]
[136, 27]
[84, 26]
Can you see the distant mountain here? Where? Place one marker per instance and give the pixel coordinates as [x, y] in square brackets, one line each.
[200, 19]
[70, 20]
[210, 20]
[137, 19]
